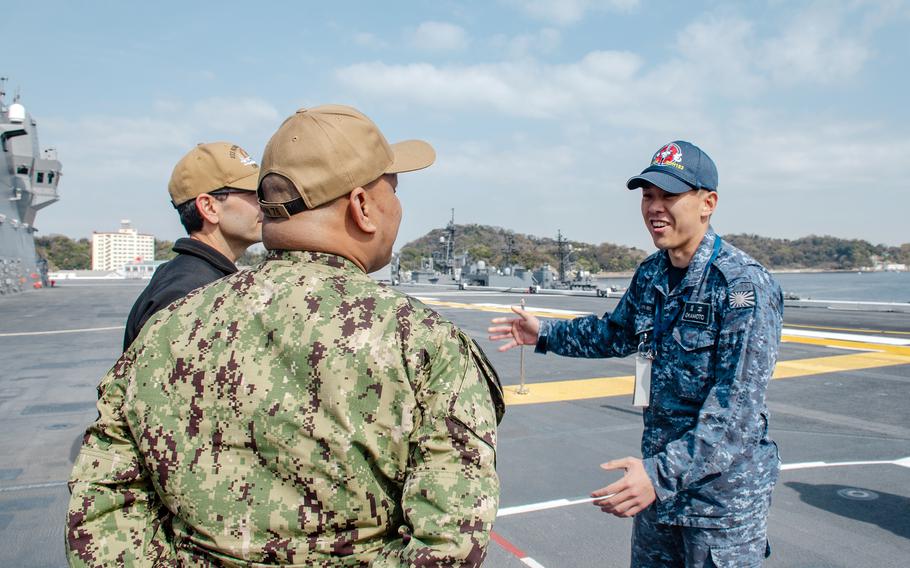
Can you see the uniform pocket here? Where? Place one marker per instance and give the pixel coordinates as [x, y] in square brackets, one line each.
[747, 555]
[695, 361]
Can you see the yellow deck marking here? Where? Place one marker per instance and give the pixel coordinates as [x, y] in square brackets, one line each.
[850, 329]
[894, 349]
[579, 389]
[501, 310]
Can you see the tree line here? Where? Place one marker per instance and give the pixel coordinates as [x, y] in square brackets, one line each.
[64, 253]
[499, 247]
[491, 244]
[819, 252]
[482, 242]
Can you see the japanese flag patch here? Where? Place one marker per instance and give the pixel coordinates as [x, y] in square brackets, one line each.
[742, 296]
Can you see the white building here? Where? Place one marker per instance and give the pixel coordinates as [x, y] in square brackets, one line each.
[112, 251]
[141, 268]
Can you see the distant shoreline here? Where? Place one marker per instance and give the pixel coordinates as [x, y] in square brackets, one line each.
[629, 274]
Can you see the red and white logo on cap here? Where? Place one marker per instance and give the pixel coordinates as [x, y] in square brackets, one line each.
[669, 155]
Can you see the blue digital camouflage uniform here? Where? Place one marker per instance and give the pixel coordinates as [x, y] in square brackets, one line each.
[297, 413]
[705, 444]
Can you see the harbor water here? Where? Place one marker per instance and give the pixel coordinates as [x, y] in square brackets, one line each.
[853, 286]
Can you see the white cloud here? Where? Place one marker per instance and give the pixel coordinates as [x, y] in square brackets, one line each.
[234, 115]
[367, 39]
[521, 46]
[137, 146]
[439, 36]
[785, 175]
[820, 45]
[119, 166]
[783, 154]
[523, 88]
[563, 12]
[718, 51]
[720, 60]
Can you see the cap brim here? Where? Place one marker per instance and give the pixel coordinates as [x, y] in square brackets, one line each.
[664, 181]
[248, 183]
[411, 155]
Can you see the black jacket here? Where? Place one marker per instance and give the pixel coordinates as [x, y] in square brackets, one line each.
[195, 265]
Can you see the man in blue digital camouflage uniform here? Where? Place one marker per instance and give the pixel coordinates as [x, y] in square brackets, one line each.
[705, 320]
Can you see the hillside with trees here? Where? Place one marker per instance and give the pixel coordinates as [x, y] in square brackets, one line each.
[821, 253]
[491, 245]
[482, 242]
[64, 253]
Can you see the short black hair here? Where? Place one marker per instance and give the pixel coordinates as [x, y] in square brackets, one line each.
[189, 214]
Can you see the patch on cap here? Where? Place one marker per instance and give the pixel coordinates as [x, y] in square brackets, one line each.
[238, 153]
[212, 166]
[678, 167]
[669, 155]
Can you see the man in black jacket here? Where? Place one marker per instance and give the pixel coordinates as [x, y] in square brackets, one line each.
[213, 189]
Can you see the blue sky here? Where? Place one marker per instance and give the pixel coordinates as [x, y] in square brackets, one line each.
[539, 111]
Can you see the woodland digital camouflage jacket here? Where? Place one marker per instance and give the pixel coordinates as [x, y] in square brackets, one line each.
[295, 413]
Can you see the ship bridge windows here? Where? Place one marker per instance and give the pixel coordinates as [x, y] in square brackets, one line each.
[39, 177]
[50, 178]
[23, 170]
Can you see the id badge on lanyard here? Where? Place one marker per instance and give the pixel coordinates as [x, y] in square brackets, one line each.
[641, 396]
[694, 312]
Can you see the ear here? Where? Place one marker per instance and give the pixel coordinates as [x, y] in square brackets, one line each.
[360, 211]
[205, 205]
[709, 204]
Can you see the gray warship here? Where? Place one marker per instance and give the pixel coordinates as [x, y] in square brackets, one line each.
[28, 183]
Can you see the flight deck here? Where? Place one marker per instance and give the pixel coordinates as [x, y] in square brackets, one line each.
[838, 412]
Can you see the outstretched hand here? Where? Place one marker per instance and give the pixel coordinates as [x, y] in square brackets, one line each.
[630, 495]
[522, 330]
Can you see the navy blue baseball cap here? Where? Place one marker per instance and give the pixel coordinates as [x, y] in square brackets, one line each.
[678, 167]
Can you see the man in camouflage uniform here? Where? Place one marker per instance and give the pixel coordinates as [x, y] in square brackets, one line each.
[297, 413]
[705, 319]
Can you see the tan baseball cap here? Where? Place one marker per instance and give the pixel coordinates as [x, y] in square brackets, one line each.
[329, 150]
[212, 166]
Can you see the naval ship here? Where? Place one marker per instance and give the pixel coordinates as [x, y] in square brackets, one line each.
[28, 182]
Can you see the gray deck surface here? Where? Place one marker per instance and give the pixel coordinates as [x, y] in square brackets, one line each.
[848, 516]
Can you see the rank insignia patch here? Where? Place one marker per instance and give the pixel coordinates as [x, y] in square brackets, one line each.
[742, 299]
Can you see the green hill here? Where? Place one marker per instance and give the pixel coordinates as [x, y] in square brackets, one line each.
[483, 242]
[486, 243]
[828, 253]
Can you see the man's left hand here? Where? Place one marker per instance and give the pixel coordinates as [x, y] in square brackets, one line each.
[631, 494]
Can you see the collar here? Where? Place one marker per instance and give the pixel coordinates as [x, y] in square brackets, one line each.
[324, 258]
[696, 266]
[199, 249]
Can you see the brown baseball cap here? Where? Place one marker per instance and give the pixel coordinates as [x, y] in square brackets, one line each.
[329, 150]
[212, 166]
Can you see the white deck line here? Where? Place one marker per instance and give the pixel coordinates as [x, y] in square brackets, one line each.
[56, 331]
[557, 503]
[874, 339]
[554, 504]
[32, 486]
[863, 349]
[905, 462]
[877, 339]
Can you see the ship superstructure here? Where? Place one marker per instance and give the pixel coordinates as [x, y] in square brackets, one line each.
[28, 183]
